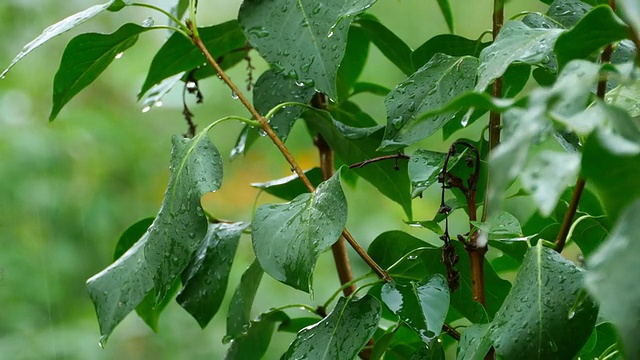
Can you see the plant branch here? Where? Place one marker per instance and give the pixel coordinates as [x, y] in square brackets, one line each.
[380, 158]
[280, 145]
[451, 331]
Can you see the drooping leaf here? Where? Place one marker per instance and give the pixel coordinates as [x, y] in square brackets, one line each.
[353, 62]
[239, 314]
[475, 342]
[613, 271]
[445, 8]
[165, 249]
[538, 319]
[178, 54]
[393, 48]
[587, 37]
[204, 281]
[422, 305]
[290, 187]
[85, 58]
[60, 27]
[288, 238]
[342, 334]
[351, 149]
[306, 39]
[254, 342]
[430, 88]
[450, 44]
[424, 168]
[273, 88]
[516, 42]
[547, 175]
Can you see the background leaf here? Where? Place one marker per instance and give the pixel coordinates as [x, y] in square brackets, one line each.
[445, 8]
[391, 46]
[353, 62]
[254, 343]
[475, 342]
[450, 44]
[239, 315]
[288, 238]
[342, 334]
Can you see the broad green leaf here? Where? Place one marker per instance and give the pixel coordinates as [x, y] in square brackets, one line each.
[390, 246]
[547, 175]
[289, 238]
[432, 87]
[204, 281]
[375, 89]
[273, 88]
[348, 113]
[445, 8]
[166, 248]
[85, 58]
[631, 12]
[625, 96]
[342, 334]
[516, 42]
[607, 161]
[612, 277]
[290, 187]
[393, 48]
[58, 28]
[422, 305]
[424, 168]
[450, 44]
[353, 62]
[178, 54]
[504, 225]
[587, 37]
[568, 12]
[605, 337]
[306, 39]
[351, 147]
[239, 314]
[130, 236]
[538, 319]
[588, 232]
[254, 342]
[475, 342]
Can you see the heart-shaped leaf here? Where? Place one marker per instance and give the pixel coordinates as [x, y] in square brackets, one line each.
[288, 238]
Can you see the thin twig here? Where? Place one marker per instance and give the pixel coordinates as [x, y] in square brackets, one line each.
[451, 331]
[380, 158]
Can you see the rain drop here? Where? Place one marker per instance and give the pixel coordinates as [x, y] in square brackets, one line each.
[259, 31]
[234, 95]
[148, 22]
[119, 55]
[146, 109]
[158, 103]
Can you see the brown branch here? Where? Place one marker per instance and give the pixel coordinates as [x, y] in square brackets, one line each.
[380, 158]
[283, 149]
[451, 331]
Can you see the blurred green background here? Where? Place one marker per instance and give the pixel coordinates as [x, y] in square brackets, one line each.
[68, 189]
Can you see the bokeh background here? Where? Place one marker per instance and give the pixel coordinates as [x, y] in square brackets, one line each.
[68, 189]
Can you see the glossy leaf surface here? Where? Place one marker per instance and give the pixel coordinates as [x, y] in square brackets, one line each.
[290, 187]
[239, 315]
[342, 334]
[253, 344]
[306, 39]
[475, 342]
[424, 168]
[288, 238]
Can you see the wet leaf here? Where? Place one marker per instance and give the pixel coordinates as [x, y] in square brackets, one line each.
[85, 58]
[253, 344]
[450, 44]
[538, 319]
[305, 39]
[290, 187]
[60, 27]
[430, 88]
[424, 168]
[353, 62]
[422, 305]
[613, 271]
[178, 54]
[239, 315]
[504, 225]
[288, 238]
[589, 232]
[204, 281]
[342, 334]
[516, 42]
[391, 46]
[568, 12]
[475, 342]
[161, 254]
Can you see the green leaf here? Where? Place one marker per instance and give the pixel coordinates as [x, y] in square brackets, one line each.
[432, 87]
[547, 175]
[273, 88]
[342, 334]
[453, 45]
[85, 58]
[350, 114]
[445, 8]
[178, 54]
[295, 325]
[375, 89]
[597, 29]
[612, 278]
[290, 187]
[254, 343]
[516, 42]
[424, 168]
[538, 319]
[391, 183]
[204, 281]
[475, 342]
[58, 28]
[306, 39]
[246, 139]
[625, 96]
[239, 314]
[605, 337]
[568, 12]
[588, 232]
[504, 224]
[166, 248]
[288, 238]
[391, 46]
[353, 62]
[422, 305]
[607, 161]
[130, 236]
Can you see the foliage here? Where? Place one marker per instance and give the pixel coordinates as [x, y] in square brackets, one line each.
[577, 121]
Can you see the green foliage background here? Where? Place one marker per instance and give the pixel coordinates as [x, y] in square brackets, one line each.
[68, 189]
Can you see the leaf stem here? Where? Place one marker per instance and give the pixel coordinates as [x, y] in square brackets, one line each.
[191, 23]
[296, 306]
[183, 27]
[350, 283]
